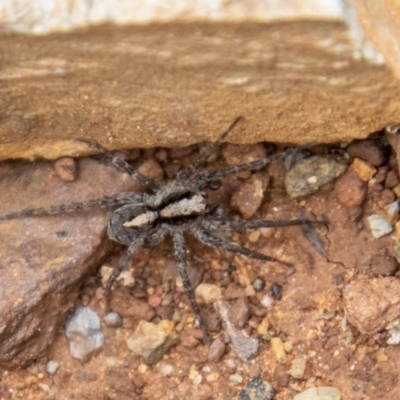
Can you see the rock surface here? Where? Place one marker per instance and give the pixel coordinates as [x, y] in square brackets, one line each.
[370, 304]
[44, 260]
[101, 82]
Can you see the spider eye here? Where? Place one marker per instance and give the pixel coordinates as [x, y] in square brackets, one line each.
[214, 185]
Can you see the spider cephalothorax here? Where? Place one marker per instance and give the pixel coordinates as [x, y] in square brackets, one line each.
[174, 208]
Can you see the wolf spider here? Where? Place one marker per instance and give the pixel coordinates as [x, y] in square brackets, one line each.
[182, 205]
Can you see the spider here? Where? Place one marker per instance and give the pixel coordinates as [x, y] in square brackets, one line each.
[173, 208]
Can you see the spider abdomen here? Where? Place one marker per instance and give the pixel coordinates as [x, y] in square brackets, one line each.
[132, 221]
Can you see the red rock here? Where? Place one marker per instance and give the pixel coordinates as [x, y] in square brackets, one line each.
[368, 150]
[349, 189]
[44, 260]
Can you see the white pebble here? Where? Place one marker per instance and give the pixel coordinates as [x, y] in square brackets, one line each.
[379, 226]
[266, 301]
[236, 378]
[52, 367]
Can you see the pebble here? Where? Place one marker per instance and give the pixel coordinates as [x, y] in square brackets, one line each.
[258, 389]
[392, 324]
[378, 226]
[382, 357]
[208, 293]
[368, 150]
[52, 367]
[383, 265]
[349, 189]
[236, 378]
[370, 304]
[298, 367]
[152, 341]
[258, 284]
[253, 236]
[266, 301]
[309, 174]
[238, 154]
[363, 169]
[125, 278]
[281, 376]
[195, 376]
[214, 376]
[154, 300]
[216, 350]
[276, 291]
[129, 307]
[66, 169]
[245, 347]
[239, 312]
[248, 197]
[396, 190]
[319, 393]
[165, 369]
[394, 337]
[392, 212]
[233, 292]
[113, 319]
[392, 179]
[84, 333]
[278, 350]
[152, 169]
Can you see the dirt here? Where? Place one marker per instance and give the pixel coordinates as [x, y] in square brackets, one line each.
[308, 315]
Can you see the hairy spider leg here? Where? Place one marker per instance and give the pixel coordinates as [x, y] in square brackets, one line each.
[213, 241]
[206, 178]
[242, 225]
[122, 262]
[206, 153]
[107, 201]
[180, 259]
[123, 165]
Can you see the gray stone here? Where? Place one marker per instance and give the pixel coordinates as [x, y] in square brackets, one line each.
[258, 389]
[309, 174]
[84, 333]
[52, 367]
[245, 347]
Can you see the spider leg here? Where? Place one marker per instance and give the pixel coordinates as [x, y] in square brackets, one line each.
[122, 262]
[107, 201]
[206, 153]
[123, 165]
[206, 178]
[213, 241]
[180, 257]
[212, 224]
